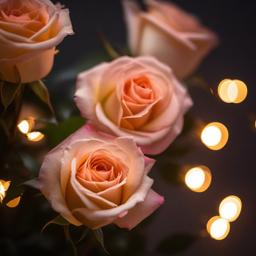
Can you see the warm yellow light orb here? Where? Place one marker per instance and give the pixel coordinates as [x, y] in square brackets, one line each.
[26, 125]
[23, 127]
[214, 135]
[232, 91]
[211, 135]
[14, 202]
[4, 186]
[198, 178]
[218, 228]
[230, 208]
[35, 136]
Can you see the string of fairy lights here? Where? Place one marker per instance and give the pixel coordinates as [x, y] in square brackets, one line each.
[198, 179]
[215, 136]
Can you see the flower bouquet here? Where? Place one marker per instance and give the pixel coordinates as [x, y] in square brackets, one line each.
[83, 156]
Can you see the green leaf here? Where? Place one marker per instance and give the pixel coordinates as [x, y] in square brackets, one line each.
[59, 220]
[174, 244]
[83, 235]
[98, 234]
[198, 81]
[8, 92]
[4, 127]
[109, 48]
[70, 240]
[41, 91]
[57, 133]
[33, 183]
[123, 242]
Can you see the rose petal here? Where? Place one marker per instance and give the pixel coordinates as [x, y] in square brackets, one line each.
[161, 145]
[112, 108]
[99, 218]
[49, 176]
[136, 167]
[79, 196]
[141, 137]
[114, 194]
[131, 12]
[140, 211]
[86, 94]
[47, 184]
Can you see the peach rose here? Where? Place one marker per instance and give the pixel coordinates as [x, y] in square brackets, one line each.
[169, 34]
[29, 32]
[93, 179]
[137, 97]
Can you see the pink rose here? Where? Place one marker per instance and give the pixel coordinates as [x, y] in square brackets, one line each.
[138, 97]
[169, 34]
[29, 32]
[93, 179]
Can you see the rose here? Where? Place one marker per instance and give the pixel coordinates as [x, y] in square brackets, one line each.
[29, 32]
[93, 179]
[137, 97]
[169, 34]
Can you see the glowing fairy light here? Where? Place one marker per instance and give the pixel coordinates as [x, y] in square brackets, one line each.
[214, 135]
[26, 125]
[23, 127]
[198, 178]
[35, 136]
[232, 91]
[4, 185]
[14, 202]
[218, 228]
[211, 135]
[230, 208]
[2, 192]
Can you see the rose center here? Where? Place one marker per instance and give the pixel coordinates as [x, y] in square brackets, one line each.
[23, 18]
[101, 166]
[138, 97]
[138, 91]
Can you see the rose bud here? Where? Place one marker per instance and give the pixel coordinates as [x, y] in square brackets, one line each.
[168, 33]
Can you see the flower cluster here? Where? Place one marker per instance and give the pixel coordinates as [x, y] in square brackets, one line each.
[133, 105]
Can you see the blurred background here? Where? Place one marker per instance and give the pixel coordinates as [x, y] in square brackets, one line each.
[181, 221]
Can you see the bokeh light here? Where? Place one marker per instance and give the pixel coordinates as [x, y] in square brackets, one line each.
[14, 202]
[232, 91]
[218, 228]
[215, 135]
[26, 125]
[198, 178]
[230, 208]
[35, 136]
[4, 186]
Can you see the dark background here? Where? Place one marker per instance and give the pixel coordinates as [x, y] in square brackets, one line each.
[233, 167]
